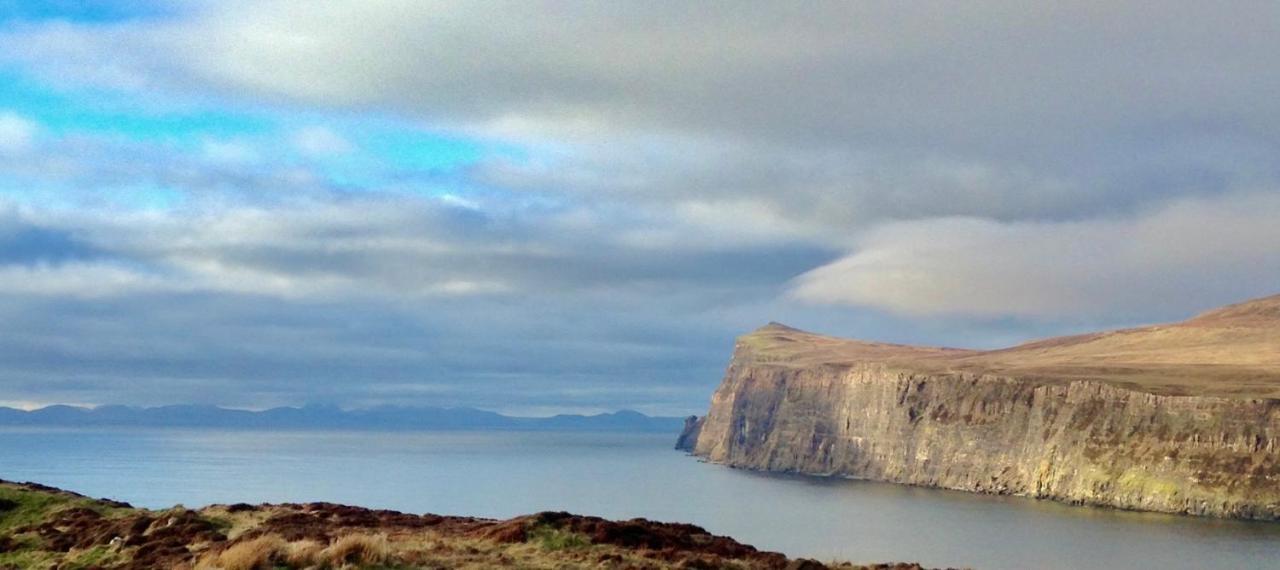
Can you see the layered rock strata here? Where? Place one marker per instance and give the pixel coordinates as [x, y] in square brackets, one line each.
[1180, 418]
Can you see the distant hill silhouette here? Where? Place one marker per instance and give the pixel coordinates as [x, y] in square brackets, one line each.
[390, 418]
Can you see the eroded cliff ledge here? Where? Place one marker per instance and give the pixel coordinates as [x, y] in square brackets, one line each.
[1181, 418]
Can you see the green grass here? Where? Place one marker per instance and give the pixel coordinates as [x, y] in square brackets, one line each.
[28, 559]
[96, 557]
[20, 508]
[553, 539]
[26, 507]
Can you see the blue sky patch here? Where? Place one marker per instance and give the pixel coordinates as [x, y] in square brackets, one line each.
[91, 11]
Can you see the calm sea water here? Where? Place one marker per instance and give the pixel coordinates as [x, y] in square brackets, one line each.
[621, 476]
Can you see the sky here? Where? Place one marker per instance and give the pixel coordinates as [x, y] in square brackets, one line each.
[542, 207]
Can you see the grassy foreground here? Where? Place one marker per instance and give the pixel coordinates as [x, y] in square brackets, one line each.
[46, 528]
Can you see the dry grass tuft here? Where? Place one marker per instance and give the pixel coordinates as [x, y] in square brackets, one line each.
[271, 551]
[262, 553]
[303, 554]
[358, 549]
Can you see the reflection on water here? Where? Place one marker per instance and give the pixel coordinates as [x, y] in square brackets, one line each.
[621, 476]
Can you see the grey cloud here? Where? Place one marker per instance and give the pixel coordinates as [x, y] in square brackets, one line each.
[1195, 253]
[333, 302]
[400, 247]
[820, 197]
[26, 244]
[1034, 97]
[819, 120]
[1072, 165]
[253, 352]
[91, 169]
[935, 73]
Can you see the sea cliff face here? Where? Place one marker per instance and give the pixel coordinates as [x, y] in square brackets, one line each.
[797, 402]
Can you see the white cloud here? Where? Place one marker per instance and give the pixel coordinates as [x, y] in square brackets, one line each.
[229, 151]
[830, 118]
[17, 133]
[1191, 254]
[318, 141]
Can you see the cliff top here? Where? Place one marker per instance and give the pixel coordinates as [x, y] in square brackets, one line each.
[1266, 309]
[1233, 351]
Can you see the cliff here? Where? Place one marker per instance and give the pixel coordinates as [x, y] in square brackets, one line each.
[1180, 418]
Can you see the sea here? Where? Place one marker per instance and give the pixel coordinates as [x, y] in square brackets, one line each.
[501, 474]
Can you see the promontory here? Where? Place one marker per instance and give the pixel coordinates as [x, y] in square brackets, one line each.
[1178, 418]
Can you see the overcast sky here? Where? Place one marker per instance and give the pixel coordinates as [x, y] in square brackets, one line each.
[575, 206]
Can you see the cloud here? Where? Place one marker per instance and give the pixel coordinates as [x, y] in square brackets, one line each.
[79, 279]
[388, 246]
[23, 243]
[986, 73]
[17, 133]
[730, 191]
[670, 176]
[840, 112]
[321, 142]
[250, 351]
[229, 151]
[368, 300]
[1190, 254]
[92, 170]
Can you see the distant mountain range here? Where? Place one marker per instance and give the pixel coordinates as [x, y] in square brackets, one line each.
[330, 417]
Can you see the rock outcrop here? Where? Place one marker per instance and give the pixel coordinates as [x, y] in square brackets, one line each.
[1181, 418]
[689, 435]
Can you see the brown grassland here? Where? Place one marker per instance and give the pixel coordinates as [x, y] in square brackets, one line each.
[44, 528]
